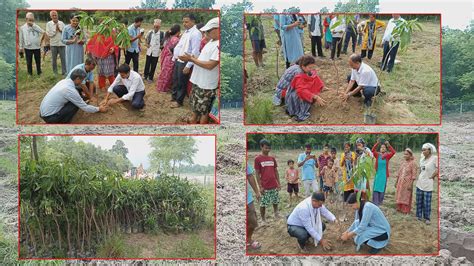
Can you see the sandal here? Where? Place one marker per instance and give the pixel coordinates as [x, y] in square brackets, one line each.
[254, 245]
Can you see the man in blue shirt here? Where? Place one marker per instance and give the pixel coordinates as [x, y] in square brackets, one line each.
[87, 86]
[133, 51]
[309, 164]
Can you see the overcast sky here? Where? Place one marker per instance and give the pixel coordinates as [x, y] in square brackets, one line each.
[139, 148]
[455, 13]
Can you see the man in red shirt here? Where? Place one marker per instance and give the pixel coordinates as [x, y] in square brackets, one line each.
[267, 179]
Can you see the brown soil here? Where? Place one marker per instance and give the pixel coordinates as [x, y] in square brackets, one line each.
[157, 109]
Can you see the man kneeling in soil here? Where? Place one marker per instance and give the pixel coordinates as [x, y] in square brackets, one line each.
[305, 221]
[362, 81]
[63, 101]
[128, 86]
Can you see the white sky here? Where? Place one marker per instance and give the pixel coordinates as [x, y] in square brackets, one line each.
[455, 13]
[139, 148]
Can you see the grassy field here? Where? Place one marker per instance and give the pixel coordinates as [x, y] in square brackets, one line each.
[412, 89]
[409, 236]
[32, 89]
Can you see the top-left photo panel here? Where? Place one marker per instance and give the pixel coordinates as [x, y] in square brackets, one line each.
[138, 66]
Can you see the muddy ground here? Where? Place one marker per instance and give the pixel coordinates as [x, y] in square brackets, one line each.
[456, 188]
[408, 236]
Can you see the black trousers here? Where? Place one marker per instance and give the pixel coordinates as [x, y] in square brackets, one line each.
[64, 115]
[336, 43]
[132, 56]
[389, 51]
[150, 66]
[137, 101]
[180, 82]
[29, 60]
[316, 42]
[301, 234]
[350, 35]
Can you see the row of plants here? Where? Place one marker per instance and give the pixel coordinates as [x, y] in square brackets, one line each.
[71, 208]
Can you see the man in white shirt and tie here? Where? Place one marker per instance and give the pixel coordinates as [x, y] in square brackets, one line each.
[305, 221]
[128, 86]
[188, 44]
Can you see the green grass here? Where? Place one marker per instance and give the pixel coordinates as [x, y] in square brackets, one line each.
[413, 88]
[260, 110]
[115, 247]
[7, 113]
[194, 247]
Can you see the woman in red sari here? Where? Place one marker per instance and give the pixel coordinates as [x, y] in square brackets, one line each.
[163, 84]
[105, 52]
[404, 186]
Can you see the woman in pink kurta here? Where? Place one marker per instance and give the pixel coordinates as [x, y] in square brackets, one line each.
[404, 186]
[163, 84]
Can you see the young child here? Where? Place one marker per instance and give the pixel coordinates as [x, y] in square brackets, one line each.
[330, 177]
[267, 179]
[46, 46]
[292, 178]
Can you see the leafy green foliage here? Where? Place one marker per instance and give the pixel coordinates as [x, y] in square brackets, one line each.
[205, 4]
[72, 207]
[364, 170]
[119, 148]
[458, 70]
[170, 152]
[231, 77]
[153, 4]
[259, 111]
[403, 32]
[371, 6]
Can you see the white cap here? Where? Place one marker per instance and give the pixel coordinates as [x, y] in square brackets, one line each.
[211, 24]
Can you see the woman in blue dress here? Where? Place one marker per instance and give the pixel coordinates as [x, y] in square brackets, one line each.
[290, 39]
[370, 226]
[74, 43]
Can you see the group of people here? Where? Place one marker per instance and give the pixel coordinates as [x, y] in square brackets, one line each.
[329, 176]
[189, 65]
[299, 86]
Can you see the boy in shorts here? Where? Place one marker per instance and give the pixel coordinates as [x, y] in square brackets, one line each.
[267, 179]
[292, 178]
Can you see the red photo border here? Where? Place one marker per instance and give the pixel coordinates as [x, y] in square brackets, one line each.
[338, 133]
[19, 123]
[244, 86]
[124, 135]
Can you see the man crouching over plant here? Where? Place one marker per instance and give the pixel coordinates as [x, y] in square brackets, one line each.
[63, 101]
[305, 221]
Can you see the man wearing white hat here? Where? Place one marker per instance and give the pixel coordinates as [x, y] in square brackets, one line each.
[205, 76]
[424, 185]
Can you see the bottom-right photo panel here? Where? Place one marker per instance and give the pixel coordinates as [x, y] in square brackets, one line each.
[342, 193]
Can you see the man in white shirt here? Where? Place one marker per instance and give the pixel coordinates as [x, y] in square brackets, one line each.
[305, 221]
[154, 43]
[189, 43]
[54, 29]
[337, 34]
[63, 101]
[362, 81]
[205, 76]
[30, 38]
[128, 86]
[390, 44]
[315, 33]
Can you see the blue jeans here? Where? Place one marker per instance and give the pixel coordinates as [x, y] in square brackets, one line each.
[137, 100]
[369, 92]
[301, 234]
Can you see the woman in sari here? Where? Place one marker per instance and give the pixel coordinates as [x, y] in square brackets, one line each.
[327, 32]
[404, 185]
[163, 84]
[300, 76]
[105, 52]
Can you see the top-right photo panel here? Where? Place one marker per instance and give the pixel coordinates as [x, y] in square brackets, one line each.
[342, 69]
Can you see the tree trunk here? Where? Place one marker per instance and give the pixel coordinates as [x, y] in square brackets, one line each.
[34, 149]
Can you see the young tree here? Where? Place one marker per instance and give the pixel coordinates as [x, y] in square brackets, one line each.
[170, 152]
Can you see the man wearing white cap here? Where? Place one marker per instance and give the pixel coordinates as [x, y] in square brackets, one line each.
[424, 185]
[205, 76]
[154, 43]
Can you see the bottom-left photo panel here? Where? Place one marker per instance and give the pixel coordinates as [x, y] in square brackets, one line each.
[116, 197]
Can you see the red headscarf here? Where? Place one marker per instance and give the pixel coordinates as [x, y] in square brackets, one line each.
[307, 86]
[99, 46]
